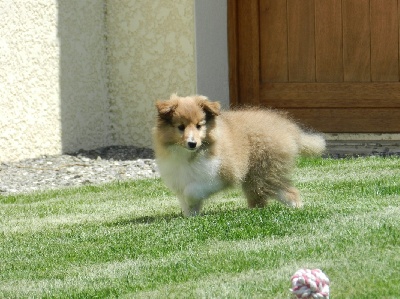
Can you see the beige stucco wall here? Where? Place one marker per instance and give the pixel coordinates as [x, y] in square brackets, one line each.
[29, 90]
[84, 103]
[150, 55]
[53, 87]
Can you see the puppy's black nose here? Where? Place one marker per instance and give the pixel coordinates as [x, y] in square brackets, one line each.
[192, 145]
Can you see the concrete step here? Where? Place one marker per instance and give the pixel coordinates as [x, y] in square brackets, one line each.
[355, 148]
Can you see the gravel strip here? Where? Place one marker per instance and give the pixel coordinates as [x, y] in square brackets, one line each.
[93, 167]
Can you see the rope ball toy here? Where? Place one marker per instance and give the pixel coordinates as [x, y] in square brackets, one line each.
[308, 283]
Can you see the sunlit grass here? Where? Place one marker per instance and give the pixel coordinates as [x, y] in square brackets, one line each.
[130, 240]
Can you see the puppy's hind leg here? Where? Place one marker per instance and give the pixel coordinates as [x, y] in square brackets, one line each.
[255, 198]
[290, 197]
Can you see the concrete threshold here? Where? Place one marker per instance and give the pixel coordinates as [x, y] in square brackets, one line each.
[361, 148]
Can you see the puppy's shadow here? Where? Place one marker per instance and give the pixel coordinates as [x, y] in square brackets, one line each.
[147, 219]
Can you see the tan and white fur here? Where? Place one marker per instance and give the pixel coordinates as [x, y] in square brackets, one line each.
[201, 150]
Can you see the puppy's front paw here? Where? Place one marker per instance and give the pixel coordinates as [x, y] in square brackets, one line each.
[191, 211]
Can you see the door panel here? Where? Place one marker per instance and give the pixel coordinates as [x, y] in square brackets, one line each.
[356, 41]
[364, 121]
[384, 41]
[328, 41]
[273, 42]
[335, 95]
[301, 41]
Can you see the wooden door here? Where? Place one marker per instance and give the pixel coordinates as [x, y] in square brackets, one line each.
[333, 64]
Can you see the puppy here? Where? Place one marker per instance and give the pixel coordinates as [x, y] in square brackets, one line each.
[200, 150]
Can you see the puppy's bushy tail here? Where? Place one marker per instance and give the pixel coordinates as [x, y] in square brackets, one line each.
[312, 144]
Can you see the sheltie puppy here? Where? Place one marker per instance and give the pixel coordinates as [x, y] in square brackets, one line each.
[200, 150]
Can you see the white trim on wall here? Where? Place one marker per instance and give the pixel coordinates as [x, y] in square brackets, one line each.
[211, 47]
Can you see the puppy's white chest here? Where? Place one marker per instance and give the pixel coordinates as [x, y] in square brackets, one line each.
[179, 171]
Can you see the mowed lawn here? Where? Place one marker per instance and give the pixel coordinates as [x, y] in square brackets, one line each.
[129, 240]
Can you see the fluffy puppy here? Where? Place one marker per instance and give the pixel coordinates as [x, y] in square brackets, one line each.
[200, 150]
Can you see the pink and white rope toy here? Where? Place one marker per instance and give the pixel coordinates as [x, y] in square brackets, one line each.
[308, 283]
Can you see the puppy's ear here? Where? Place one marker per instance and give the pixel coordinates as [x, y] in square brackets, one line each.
[166, 108]
[210, 108]
[213, 108]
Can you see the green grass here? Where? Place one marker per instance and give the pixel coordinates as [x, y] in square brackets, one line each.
[129, 240]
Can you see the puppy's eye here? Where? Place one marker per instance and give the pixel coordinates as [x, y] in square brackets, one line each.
[200, 124]
[181, 127]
